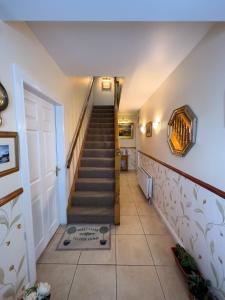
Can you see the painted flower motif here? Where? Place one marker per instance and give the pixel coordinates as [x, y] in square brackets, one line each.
[11, 268]
[7, 243]
[43, 289]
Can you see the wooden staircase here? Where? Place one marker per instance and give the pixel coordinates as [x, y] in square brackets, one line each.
[93, 199]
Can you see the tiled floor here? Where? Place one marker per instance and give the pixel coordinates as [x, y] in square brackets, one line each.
[138, 266]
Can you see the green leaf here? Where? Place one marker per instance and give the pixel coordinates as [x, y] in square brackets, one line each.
[2, 276]
[212, 247]
[189, 204]
[214, 273]
[221, 209]
[198, 210]
[195, 194]
[182, 206]
[20, 285]
[4, 221]
[16, 219]
[208, 228]
[199, 227]
[20, 265]
[14, 202]
[9, 293]
[181, 189]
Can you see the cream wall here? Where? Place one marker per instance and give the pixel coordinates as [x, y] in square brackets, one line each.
[103, 97]
[19, 46]
[194, 215]
[199, 82]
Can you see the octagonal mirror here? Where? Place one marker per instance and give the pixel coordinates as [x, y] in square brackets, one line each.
[182, 130]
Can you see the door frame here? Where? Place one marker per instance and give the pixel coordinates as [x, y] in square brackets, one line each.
[23, 81]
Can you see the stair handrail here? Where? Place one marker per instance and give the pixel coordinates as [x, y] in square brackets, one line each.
[117, 94]
[79, 125]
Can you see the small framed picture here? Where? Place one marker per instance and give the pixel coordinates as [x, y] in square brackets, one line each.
[9, 156]
[126, 130]
[149, 129]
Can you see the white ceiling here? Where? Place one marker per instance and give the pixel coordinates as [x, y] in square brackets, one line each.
[144, 53]
[116, 10]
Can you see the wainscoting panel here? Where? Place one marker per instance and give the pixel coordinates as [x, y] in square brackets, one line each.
[197, 217]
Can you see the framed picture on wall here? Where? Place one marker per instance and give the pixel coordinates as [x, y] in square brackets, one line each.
[126, 130]
[149, 129]
[9, 157]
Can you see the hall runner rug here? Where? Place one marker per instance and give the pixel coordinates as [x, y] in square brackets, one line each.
[86, 237]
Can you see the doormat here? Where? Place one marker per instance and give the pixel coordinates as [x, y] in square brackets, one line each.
[86, 237]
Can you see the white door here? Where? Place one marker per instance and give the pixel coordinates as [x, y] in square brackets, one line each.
[41, 140]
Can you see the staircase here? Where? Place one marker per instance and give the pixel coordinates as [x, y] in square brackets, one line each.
[94, 195]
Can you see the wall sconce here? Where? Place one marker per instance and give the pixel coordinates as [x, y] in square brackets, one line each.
[142, 129]
[156, 124]
[106, 84]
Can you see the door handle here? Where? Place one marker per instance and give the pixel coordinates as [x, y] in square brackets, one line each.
[57, 169]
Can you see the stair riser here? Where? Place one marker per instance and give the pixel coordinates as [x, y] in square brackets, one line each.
[92, 201]
[101, 131]
[102, 115]
[103, 107]
[73, 219]
[96, 137]
[93, 186]
[101, 120]
[97, 163]
[98, 153]
[97, 174]
[101, 125]
[99, 145]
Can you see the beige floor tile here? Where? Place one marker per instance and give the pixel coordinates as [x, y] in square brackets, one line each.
[129, 225]
[132, 250]
[153, 225]
[138, 195]
[172, 283]
[145, 209]
[94, 283]
[104, 257]
[60, 278]
[138, 282]
[160, 246]
[113, 229]
[53, 256]
[128, 209]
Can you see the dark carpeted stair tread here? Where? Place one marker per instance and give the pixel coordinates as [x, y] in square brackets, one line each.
[93, 194]
[93, 198]
[105, 172]
[90, 214]
[96, 180]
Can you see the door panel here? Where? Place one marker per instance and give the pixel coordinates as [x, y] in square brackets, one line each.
[40, 126]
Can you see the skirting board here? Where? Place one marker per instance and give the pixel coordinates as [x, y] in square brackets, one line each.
[171, 230]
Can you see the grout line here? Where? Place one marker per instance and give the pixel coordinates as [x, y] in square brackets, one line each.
[74, 276]
[154, 265]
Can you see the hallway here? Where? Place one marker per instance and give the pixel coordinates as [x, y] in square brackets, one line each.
[138, 266]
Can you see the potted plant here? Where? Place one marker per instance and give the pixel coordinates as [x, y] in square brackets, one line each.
[184, 260]
[40, 291]
[199, 287]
